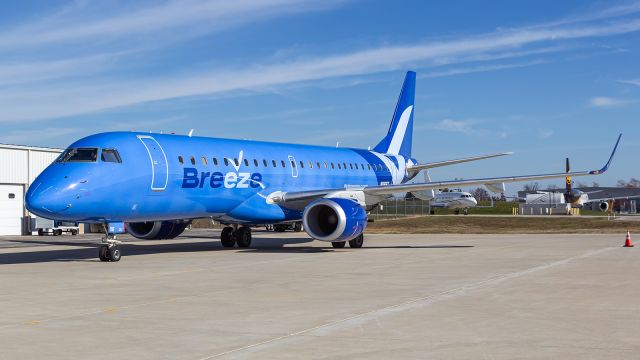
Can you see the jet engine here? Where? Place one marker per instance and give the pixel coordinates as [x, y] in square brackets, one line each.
[334, 219]
[156, 230]
[603, 206]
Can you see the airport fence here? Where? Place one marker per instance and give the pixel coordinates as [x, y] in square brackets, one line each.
[397, 208]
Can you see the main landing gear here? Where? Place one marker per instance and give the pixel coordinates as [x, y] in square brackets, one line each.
[241, 236]
[355, 243]
[109, 250]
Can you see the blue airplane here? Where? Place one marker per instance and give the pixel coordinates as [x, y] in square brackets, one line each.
[153, 185]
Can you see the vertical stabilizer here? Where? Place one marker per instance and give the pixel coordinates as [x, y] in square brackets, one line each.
[399, 137]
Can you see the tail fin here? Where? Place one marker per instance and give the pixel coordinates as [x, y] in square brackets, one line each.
[399, 138]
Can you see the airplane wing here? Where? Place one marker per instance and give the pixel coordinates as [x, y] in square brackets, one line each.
[413, 169]
[299, 198]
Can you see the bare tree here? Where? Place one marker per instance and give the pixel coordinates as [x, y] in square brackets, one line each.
[480, 194]
[531, 186]
[595, 184]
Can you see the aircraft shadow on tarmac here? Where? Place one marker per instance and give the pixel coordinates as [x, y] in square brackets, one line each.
[89, 249]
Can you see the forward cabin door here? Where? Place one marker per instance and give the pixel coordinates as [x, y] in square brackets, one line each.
[294, 166]
[159, 163]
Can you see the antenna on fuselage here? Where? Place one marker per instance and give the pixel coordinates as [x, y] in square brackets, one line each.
[338, 144]
[190, 132]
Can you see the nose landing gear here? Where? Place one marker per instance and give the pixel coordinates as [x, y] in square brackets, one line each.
[109, 250]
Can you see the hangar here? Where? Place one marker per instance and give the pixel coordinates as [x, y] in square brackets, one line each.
[19, 166]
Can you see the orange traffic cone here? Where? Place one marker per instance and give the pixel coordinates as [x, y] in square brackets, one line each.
[627, 242]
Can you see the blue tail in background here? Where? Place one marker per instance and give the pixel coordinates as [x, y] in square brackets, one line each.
[399, 138]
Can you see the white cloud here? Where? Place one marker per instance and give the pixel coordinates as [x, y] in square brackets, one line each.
[84, 21]
[635, 82]
[608, 102]
[459, 126]
[67, 98]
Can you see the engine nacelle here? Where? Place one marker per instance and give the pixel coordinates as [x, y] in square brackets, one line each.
[334, 219]
[156, 230]
[603, 206]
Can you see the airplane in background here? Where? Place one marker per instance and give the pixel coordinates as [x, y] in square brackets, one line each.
[153, 185]
[454, 200]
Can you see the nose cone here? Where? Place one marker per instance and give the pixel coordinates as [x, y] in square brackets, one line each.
[46, 201]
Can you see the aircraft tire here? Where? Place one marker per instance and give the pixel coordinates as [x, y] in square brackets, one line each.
[297, 227]
[243, 237]
[226, 237]
[114, 254]
[338, 244]
[357, 242]
[279, 228]
[103, 253]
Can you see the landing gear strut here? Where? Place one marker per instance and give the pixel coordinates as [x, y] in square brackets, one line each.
[109, 250]
[241, 236]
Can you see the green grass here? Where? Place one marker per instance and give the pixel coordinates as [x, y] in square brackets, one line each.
[462, 224]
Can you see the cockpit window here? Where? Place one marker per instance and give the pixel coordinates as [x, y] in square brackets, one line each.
[79, 155]
[110, 155]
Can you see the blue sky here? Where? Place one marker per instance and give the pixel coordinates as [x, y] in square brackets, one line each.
[543, 79]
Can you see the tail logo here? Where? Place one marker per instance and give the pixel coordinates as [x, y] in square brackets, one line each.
[401, 129]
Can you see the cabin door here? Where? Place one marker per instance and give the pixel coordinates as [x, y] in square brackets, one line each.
[159, 164]
[294, 166]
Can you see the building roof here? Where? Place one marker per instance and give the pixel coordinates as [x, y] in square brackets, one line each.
[27, 147]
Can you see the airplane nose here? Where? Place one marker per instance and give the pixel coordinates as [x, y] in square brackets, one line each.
[44, 201]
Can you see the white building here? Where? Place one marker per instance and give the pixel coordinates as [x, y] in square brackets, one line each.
[19, 166]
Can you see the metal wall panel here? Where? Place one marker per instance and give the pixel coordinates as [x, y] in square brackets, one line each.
[38, 161]
[13, 166]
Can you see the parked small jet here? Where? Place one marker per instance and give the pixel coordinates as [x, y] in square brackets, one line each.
[155, 184]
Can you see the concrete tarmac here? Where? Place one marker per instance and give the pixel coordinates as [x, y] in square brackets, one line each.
[400, 297]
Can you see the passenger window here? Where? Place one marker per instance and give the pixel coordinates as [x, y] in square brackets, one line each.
[180, 160]
[193, 160]
[226, 162]
[332, 166]
[301, 164]
[339, 166]
[362, 166]
[235, 161]
[344, 165]
[246, 162]
[293, 164]
[283, 164]
[204, 161]
[12, 196]
[274, 163]
[310, 164]
[318, 163]
[351, 166]
[325, 165]
[368, 167]
[110, 155]
[215, 161]
[264, 162]
[255, 162]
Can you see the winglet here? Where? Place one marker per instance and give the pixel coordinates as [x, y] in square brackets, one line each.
[606, 166]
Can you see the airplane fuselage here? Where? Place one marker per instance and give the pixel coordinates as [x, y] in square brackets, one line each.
[166, 177]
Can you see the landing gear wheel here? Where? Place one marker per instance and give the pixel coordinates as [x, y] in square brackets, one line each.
[297, 227]
[114, 254]
[226, 237]
[338, 244]
[279, 228]
[103, 253]
[40, 232]
[456, 211]
[243, 237]
[74, 232]
[357, 242]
